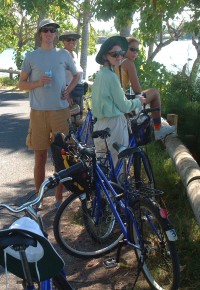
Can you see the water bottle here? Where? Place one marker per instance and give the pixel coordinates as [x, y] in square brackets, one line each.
[49, 74]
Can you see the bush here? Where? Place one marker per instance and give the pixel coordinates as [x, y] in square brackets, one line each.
[178, 96]
[7, 82]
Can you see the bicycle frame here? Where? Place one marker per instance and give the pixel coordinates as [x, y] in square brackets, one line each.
[130, 161]
[86, 127]
[115, 171]
[102, 180]
[105, 184]
[84, 132]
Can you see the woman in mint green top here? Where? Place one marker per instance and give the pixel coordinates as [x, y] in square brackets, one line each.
[109, 103]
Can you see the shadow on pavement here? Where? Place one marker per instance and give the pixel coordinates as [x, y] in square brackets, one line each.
[13, 125]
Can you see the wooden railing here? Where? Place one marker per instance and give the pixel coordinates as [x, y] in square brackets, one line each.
[186, 166]
[10, 72]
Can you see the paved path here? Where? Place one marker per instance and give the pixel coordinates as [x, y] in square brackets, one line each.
[16, 161]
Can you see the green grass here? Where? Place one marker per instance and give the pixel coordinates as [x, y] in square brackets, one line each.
[180, 214]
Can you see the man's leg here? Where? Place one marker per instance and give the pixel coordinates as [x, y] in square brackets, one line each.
[39, 168]
[59, 124]
[58, 194]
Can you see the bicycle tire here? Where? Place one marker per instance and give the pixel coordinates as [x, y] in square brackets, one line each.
[74, 233]
[161, 264]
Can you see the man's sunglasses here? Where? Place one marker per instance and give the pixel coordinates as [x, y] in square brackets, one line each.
[70, 39]
[46, 29]
[133, 49]
[117, 53]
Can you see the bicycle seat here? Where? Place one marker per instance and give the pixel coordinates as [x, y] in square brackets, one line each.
[101, 133]
[39, 251]
[16, 239]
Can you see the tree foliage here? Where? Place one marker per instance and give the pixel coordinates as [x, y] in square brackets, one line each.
[160, 22]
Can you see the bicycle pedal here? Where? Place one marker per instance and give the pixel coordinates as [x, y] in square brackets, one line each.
[110, 263]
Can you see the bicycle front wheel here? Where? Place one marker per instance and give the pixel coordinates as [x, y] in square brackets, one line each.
[161, 264]
[78, 234]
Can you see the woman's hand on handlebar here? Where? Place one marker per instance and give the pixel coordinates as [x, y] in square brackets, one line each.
[143, 100]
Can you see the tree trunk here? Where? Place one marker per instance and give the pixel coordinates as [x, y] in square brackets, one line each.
[78, 31]
[126, 31]
[85, 37]
[196, 64]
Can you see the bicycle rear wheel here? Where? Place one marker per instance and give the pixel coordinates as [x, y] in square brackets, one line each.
[76, 231]
[161, 265]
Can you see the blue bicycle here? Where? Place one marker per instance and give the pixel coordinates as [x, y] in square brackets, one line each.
[102, 216]
[84, 132]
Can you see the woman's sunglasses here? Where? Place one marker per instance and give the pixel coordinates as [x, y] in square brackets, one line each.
[133, 49]
[117, 53]
[46, 29]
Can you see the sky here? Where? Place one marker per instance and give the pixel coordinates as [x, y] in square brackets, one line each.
[102, 25]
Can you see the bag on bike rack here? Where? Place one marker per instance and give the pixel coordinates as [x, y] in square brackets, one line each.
[64, 156]
[142, 130]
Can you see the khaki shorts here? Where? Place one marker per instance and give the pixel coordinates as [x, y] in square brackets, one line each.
[43, 126]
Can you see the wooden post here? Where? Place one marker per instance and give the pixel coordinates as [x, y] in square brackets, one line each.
[11, 72]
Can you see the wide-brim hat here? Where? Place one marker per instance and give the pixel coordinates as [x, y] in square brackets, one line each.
[43, 260]
[46, 22]
[108, 44]
[68, 34]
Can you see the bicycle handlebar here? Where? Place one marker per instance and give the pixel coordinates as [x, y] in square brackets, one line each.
[51, 182]
[145, 111]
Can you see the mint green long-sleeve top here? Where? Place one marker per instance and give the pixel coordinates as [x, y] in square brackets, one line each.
[108, 98]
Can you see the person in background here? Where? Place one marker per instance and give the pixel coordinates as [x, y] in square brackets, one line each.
[69, 39]
[109, 103]
[43, 75]
[127, 75]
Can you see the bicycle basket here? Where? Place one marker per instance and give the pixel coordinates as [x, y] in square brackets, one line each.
[64, 156]
[142, 131]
